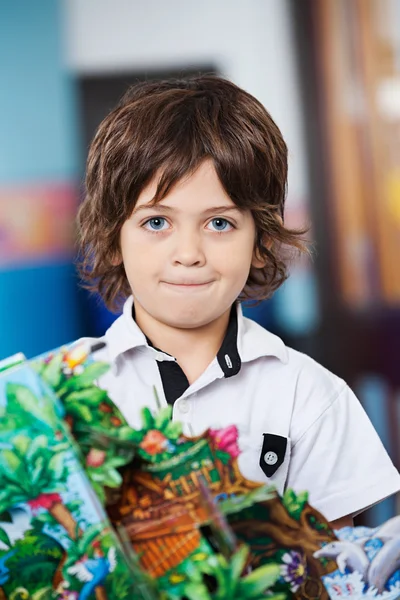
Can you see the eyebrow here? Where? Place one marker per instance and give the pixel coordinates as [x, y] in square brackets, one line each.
[214, 209]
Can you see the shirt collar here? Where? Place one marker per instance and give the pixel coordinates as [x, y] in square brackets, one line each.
[124, 334]
[253, 341]
[244, 341]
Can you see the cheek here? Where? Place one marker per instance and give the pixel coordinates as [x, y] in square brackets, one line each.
[139, 263]
[137, 253]
[235, 260]
[240, 251]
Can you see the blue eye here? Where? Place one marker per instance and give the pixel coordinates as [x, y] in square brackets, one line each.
[220, 224]
[156, 224]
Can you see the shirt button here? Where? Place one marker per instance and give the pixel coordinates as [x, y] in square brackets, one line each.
[271, 458]
[184, 406]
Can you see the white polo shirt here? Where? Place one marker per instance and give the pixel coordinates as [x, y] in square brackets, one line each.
[299, 425]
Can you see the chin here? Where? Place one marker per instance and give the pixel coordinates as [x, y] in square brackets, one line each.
[188, 321]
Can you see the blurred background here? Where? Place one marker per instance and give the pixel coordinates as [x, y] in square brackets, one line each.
[329, 73]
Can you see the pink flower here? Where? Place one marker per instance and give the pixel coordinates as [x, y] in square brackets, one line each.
[153, 442]
[69, 595]
[226, 439]
[45, 501]
[95, 458]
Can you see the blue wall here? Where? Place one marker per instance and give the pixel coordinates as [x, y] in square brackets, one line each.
[38, 303]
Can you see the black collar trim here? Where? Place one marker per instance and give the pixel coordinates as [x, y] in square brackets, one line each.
[228, 355]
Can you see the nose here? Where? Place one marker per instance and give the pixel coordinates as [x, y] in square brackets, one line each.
[188, 249]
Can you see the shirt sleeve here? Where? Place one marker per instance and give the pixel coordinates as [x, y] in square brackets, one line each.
[340, 460]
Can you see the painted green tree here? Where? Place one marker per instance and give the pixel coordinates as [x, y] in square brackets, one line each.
[105, 439]
[33, 463]
[35, 472]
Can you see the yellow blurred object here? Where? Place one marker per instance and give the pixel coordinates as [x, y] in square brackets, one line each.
[393, 195]
[76, 356]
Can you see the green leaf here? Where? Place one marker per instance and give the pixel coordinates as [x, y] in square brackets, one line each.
[11, 463]
[45, 518]
[118, 461]
[147, 419]
[74, 505]
[173, 430]
[4, 538]
[87, 378]
[96, 475]
[21, 443]
[126, 433]
[25, 406]
[288, 497]
[10, 495]
[302, 497]
[238, 562]
[44, 594]
[113, 478]
[293, 503]
[225, 584]
[52, 372]
[163, 417]
[91, 396]
[37, 471]
[40, 442]
[20, 396]
[260, 580]
[81, 412]
[58, 467]
[196, 591]
[54, 487]
[88, 537]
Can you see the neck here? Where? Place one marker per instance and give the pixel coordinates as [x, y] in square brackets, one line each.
[194, 349]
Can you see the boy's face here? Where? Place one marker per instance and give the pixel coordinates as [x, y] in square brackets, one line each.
[188, 257]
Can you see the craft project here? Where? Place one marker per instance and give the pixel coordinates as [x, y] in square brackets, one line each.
[187, 510]
[93, 509]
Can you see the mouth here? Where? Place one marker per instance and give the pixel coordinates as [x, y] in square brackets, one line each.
[187, 285]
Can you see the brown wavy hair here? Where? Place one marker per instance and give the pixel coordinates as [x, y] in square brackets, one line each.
[168, 128]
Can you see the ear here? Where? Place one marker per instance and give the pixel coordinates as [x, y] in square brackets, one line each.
[258, 261]
[116, 259]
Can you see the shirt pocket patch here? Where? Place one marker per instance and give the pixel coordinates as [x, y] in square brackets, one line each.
[255, 451]
[273, 453]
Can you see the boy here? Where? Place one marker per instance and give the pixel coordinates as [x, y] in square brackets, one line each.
[183, 217]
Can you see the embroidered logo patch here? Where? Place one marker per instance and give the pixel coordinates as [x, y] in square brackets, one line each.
[272, 453]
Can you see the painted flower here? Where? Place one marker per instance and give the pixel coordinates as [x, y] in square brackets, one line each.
[69, 595]
[75, 356]
[95, 458]
[45, 501]
[154, 442]
[293, 570]
[63, 593]
[226, 439]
